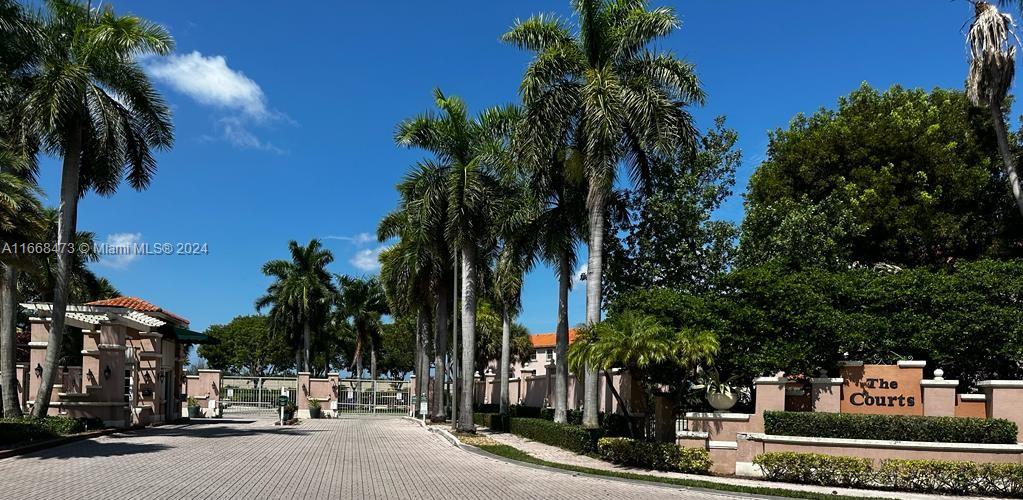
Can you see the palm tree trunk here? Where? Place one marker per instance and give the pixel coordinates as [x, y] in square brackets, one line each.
[465, 421]
[440, 343]
[561, 343]
[422, 390]
[594, 277]
[505, 359]
[417, 365]
[8, 340]
[66, 221]
[1008, 162]
[307, 335]
[454, 343]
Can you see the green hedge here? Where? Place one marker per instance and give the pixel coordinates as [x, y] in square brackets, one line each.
[614, 424]
[567, 436]
[658, 456]
[890, 427]
[29, 429]
[492, 421]
[928, 476]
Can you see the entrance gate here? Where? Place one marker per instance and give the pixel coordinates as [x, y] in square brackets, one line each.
[256, 396]
[380, 397]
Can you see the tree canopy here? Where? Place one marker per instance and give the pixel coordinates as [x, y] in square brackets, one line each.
[245, 346]
[905, 177]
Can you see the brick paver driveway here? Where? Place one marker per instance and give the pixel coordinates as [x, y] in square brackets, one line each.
[343, 458]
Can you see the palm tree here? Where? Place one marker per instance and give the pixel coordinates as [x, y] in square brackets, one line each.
[405, 273]
[992, 68]
[636, 343]
[420, 222]
[620, 102]
[301, 294]
[470, 151]
[515, 258]
[362, 303]
[91, 104]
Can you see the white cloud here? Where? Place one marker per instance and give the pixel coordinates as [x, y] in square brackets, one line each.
[210, 81]
[358, 240]
[368, 259]
[120, 249]
[233, 130]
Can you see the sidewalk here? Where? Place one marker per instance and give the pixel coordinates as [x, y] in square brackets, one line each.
[558, 455]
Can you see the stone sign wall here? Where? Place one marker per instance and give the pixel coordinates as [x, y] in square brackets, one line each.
[883, 389]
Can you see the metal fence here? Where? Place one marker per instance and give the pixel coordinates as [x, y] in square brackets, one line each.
[256, 395]
[367, 396]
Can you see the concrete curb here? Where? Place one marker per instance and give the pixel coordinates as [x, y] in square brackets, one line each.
[414, 419]
[447, 436]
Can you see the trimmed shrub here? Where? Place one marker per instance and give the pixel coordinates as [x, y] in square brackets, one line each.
[492, 421]
[613, 424]
[658, 456]
[890, 427]
[814, 468]
[567, 436]
[927, 476]
[29, 429]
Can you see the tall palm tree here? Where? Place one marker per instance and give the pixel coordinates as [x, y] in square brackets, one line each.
[470, 151]
[420, 222]
[301, 293]
[93, 105]
[621, 102]
[992, 68]
[362, 303]
[514, 259]
[406, 275]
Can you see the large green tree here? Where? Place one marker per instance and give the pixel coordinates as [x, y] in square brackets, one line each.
[246, 346]
[620, 101]
[669, 237]
[904, 177]
[471, 151]
[93, 106]
[300, 296]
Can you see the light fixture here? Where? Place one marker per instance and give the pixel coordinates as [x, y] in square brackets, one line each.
[159, 376]
[39, 370]
[106, 373]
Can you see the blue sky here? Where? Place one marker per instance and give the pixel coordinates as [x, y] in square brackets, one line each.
[284, 115]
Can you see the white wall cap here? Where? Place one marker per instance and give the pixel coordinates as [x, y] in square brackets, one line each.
[850, 363]
[973, 397]
[770, 381]
[939, 383]
[722, 445]
[827, 381]
[910, 363]
[1006, 384]
[692, 435]
[879, 443]
[733, 417]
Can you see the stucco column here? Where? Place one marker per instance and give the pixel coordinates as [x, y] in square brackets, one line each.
[826, 394]
[303, 390]
[488, 389]
[939, 395]
[770, 397]
[1005, 400]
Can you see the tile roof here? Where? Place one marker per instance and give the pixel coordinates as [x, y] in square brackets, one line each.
[550, 339]
[136, 304]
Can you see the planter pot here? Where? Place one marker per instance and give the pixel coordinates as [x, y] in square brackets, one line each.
[193, 412]
[288, 415]
[722, 402]
[314, 412]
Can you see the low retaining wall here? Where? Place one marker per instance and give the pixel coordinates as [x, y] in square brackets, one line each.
[750, 445]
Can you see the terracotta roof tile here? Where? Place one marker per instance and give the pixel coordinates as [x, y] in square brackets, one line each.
[550, 339]
[136, 304]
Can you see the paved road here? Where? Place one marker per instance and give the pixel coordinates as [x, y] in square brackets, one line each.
[364, 458]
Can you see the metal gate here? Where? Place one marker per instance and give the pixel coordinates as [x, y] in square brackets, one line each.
[381, 397]
[255, 396]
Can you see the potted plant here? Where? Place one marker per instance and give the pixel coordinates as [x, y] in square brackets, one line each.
[720, 394]
[289, 411]
[193, 408]
[314, 408]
